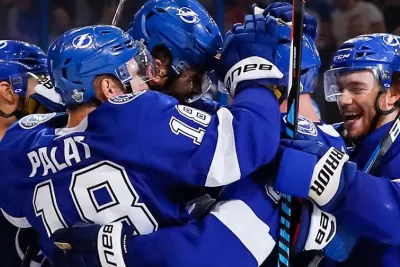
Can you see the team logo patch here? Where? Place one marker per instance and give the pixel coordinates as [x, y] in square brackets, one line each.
[123, 99]
[31, 121]
[391, 40]
[77, 96]
[3, 44]
[188, 15]
[305, 126]
[123, 74]
[82, 41]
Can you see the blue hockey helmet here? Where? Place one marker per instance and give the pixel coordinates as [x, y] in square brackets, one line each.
[310, 59]
[184, 27]
[19, 61]
[377, 53]
[81, 54]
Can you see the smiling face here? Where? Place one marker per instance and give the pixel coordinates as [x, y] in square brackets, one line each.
[358, 92]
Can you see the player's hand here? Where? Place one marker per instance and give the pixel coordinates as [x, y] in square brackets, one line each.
[91, 245]
[309, 168]
[283, 12]
[45, 99]
[315, 229]
[249, 55]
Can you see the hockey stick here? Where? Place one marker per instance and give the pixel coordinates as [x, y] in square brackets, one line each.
[291, 123]
[33, 248]
[118, 13]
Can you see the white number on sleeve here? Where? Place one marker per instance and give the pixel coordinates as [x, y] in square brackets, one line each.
[198, 116]
[201, 117]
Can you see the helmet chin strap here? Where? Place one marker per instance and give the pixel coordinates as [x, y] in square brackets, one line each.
[15, 113]
[380, 112]
[18, 113]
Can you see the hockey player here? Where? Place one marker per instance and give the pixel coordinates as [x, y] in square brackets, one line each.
[365, 81]
[71, 149]
[19, 61]
[21, 64]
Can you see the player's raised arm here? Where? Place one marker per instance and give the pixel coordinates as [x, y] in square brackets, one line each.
[197, 148]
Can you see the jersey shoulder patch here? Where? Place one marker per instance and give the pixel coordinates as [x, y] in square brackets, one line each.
[123, 99]
[305, 126]
[31, 121]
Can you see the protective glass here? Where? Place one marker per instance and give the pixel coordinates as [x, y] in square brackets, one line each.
[206, 84]
[343, 82]
[138, 71]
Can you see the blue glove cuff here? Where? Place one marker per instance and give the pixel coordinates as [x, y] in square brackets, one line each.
[305, 222]
[296, 168]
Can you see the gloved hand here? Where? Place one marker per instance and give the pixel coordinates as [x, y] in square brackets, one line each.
[283, 11]
[249, 55]
[308, 168]
[92, 245]
[315, 230]
[45, 99]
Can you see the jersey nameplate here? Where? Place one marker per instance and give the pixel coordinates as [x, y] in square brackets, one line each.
[31, 121]
[123, 99]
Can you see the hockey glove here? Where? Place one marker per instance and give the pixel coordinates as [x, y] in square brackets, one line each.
[249, 55]
[315, 229]
[284, 12]
[92, 245]
[308, 168]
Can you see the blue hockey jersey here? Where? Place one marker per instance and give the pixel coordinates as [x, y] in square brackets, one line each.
[130, 160]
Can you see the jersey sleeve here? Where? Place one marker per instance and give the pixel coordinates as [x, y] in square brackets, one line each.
[207, 105]
[371, 205]
[199, 149]
[240, 231]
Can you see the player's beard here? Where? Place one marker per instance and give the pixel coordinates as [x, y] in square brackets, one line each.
[359, 120]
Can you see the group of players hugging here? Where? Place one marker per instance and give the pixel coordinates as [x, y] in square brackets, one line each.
[110, 157]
